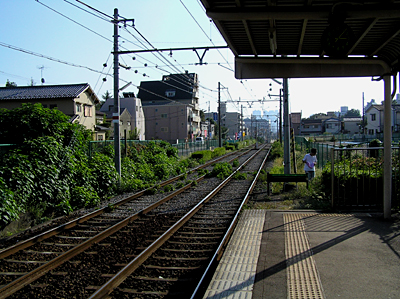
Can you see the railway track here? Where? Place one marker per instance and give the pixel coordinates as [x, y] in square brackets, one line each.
[92, 256]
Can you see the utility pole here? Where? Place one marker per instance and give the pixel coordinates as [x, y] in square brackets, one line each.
[117, 141]
[286, 127]
[241, 124]
[219, 115]
[363, 118]
[280, 115]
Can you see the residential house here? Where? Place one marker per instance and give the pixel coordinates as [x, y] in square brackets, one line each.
[332, 125]
[134, 110]
[352, 125]
[101, 131]
[177, 89]
[311, 127]
[396, 116]
[74, 100]
[375, 120]
[125, 123]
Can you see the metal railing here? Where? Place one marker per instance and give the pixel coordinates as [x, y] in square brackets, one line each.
[185, 149]
[356, 178]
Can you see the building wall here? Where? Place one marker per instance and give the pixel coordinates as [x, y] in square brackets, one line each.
[332, 126]
[352, 126]
[167, 122]
[374, 121]
[87, 113]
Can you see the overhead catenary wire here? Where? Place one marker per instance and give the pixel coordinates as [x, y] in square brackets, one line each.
[169, 64]
[79, 24]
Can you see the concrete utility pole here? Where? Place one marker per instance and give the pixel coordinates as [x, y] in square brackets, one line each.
[241, 124]
[219, 115]
[280, 115]
[117, 141]
[286, 127]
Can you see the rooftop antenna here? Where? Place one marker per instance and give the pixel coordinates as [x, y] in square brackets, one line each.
[41, 68]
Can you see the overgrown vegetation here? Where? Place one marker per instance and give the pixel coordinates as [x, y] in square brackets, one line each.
[48, 172]
[221, 170]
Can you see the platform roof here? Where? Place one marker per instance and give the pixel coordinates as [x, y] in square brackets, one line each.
[290, 39]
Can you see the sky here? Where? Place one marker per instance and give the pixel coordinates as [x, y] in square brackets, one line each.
[65, 42]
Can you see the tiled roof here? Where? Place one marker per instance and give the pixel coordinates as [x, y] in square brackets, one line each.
[42, 92]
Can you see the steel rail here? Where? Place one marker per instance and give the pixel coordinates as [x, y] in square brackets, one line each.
[221, 248]
[117, 279]
[28, 278]
[54, 231]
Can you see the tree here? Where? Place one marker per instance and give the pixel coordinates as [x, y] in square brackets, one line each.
[202, 116]
[106, 95]
[134, 134]
[353, 113]
[10, 84]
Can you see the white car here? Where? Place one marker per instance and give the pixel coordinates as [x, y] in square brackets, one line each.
[200, 139]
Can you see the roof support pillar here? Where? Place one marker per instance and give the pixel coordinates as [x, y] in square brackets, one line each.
[286, 127]
[387, 151]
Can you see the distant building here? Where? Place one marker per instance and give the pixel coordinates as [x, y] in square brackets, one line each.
[352, 125]
[172, 90]
[343, 110]
[332, 125]
[169, 122]
[295, 122]
[311, 127]
[132, 119]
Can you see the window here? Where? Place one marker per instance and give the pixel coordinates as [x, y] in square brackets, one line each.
[164, 129]
[373, 117]
[128, 123]
[370, 132]
[88, 110]
[100, 137]
[78, 107]
[170, 93]
[164, 115]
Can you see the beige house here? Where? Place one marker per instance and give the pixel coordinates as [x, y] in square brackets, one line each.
[131, 115]
[74, 100]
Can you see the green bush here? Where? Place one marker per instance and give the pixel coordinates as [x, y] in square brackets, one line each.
[218, 151]
[240, 176]
[235, 163]
[202, 155]
[9, 209]
[276, 150]
[221, 170]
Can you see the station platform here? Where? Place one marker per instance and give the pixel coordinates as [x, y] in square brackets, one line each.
[305, 254]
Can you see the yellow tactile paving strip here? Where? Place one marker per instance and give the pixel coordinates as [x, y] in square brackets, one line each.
[302, 276]
[235, 274]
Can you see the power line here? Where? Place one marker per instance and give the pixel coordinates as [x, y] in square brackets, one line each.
[87, 28]
[49, 58]
[93, 14]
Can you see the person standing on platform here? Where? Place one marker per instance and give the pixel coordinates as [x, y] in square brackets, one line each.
[310, 160]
